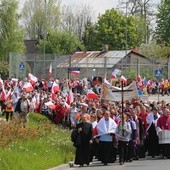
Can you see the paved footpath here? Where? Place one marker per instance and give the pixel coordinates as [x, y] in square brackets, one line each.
[142, 164]
[157, 97]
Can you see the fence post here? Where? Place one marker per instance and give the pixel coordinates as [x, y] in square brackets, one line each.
[169, 68]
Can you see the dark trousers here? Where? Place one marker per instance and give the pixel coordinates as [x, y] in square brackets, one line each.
[123, 151]
[105, 149]
[9, 114]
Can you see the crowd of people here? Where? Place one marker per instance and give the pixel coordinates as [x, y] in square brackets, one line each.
[100, 129]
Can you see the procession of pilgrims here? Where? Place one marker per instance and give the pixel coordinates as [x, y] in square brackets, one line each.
[105, 129]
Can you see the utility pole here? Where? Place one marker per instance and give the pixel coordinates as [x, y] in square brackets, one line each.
[126, 36]
[45, 23]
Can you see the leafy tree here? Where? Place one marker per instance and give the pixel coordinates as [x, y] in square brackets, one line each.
[112, 28]
[38, 16]
[60, 42]
[11, 36]
[76, 18]
[143, 11]
[163, 23]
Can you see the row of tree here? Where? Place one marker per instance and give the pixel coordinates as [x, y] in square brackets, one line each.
[135, 23]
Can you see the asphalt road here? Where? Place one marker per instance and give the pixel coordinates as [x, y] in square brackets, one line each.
[142, 164]
[157, 97]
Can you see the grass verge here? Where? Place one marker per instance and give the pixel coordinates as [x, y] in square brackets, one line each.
[40, 146]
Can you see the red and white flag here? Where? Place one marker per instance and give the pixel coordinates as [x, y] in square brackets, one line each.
[32, 78]
[139, 78]
[50, 104]
[75, 73]
[28, 87]
[70, 97]
[113, 75]
[91, 95]
[123, 79]
[3, 94]
[55, 88]
[1, 82]
[102, 129]
[50, 70]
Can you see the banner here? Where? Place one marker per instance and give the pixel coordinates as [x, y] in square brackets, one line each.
[112, 93]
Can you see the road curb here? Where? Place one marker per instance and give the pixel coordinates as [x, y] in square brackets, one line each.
[63, 167]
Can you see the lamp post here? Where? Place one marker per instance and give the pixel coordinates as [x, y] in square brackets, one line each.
[45, 10]
[126, 36]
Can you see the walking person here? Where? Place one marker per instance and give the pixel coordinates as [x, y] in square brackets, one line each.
[123, 134]
[22, 108]
[9, 108]
[106, 128]
[84, 131]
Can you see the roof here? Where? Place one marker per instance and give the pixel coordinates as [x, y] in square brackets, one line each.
[31, 46]
[95, 59]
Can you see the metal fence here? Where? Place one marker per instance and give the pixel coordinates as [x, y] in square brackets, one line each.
[39, 65]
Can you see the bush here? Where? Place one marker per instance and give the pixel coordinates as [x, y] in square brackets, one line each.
[37, 118]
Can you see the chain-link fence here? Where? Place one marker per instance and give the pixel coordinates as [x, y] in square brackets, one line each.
[39, 65]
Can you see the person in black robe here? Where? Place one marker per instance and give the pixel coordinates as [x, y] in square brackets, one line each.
[152, 141]
[85, 139]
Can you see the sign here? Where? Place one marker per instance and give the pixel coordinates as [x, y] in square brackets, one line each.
[158, 73]
[21, 66]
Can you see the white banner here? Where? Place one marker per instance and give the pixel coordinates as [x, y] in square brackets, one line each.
[113, 93]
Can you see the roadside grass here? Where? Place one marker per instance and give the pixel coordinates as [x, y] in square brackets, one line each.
[39, 146]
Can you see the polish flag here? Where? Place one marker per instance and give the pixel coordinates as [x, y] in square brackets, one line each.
[102, 129]
[28, 87]
[1, 82]
[3, 94]
[91, 95]
[113, 75]
[123, 79]
[139, 78]
[70, 97]
[50, 70]
[32, 78]
[55, 88]
[51, 105]
[74, 73]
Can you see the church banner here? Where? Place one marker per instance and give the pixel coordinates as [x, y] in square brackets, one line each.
[113, 93]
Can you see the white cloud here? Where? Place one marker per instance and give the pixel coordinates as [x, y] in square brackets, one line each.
[99, 6]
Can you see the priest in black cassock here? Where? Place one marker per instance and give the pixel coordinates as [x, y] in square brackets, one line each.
[83, 150]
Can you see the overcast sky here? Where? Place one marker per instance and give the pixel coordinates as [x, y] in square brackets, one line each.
[99, 6]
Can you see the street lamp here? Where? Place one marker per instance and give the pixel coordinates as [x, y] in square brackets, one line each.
[126, 36]
[45, 9]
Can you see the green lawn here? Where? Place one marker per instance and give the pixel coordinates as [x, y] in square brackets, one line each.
[40, 146]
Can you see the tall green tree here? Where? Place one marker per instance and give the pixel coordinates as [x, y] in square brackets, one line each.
[38, 16]
[114, 29]
[11, 36]
[163, 23]
[60, 43]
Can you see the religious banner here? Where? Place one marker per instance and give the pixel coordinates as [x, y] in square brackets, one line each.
[113, 93]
